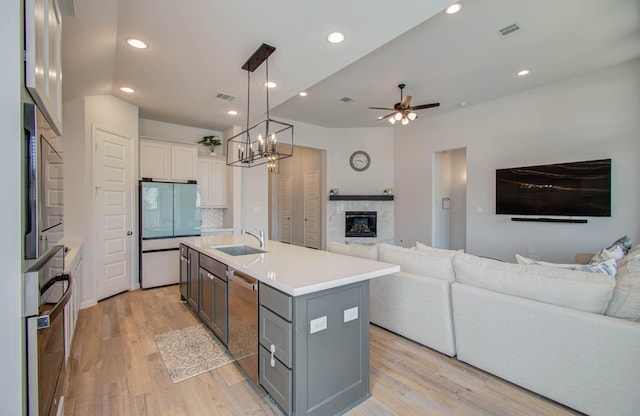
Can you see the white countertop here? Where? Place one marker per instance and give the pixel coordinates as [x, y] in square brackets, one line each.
[72, 247]
[289, 268]
[214, 230]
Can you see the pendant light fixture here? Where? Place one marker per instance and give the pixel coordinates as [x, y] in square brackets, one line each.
[265, 142]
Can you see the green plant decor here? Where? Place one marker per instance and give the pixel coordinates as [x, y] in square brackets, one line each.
[211, 142]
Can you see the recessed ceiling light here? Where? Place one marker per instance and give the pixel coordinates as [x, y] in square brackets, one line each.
[270, 84]
[137, 43]
[335, 37]
[462, 103]
[454, 8]
[127, 90]
[232, 112]
[523, 73]
[303, 94]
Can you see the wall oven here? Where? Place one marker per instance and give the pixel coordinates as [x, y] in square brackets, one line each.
[47, 291]
[43, 182]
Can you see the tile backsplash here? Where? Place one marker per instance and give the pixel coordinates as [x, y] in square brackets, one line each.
[212, 217]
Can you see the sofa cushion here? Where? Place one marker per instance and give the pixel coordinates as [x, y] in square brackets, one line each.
[435, 250]
[625, 302]
[418, 262]
[632, 254]
[357, 250]
[584, 291]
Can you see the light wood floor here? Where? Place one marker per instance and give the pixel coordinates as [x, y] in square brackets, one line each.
[116, 369]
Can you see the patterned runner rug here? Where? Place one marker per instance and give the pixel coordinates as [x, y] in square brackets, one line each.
[191, 351]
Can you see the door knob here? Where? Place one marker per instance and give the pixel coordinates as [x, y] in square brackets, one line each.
[129, 232]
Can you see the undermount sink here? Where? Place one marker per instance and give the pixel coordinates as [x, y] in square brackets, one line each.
[239, 250]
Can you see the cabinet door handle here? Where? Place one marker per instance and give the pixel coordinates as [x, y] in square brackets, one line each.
[272, 348]
[210, 276]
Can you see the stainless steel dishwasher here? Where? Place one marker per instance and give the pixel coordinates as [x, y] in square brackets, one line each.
[243, 321]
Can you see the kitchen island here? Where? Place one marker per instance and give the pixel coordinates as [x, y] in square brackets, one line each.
[311, 344]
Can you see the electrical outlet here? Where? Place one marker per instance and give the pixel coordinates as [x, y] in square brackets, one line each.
[318, 324]
[351, 314]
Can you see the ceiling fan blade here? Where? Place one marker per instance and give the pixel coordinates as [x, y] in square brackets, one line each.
[387, 116]
[406, 101]
[423, 106]
[381, 108]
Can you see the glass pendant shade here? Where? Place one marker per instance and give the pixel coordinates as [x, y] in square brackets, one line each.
[392, 120]
[412, 116]
[398, 116]
[405, 121]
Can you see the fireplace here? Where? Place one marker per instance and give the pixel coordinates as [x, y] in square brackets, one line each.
[360, 223]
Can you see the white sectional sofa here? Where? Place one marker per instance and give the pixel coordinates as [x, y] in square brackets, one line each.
[571, 336]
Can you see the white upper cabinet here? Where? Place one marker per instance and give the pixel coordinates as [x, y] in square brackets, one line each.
[184, 163]
[43, 59]
[167, 161]
[212, 178]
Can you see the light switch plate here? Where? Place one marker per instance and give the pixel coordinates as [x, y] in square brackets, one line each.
[351, 314]
[318, 324]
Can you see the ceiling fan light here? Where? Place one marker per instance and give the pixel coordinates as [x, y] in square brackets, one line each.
[405, 121]
[398, 116]
[412, 116]
[392, 120]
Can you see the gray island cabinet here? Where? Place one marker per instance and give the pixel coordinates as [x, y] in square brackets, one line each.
[312, 329]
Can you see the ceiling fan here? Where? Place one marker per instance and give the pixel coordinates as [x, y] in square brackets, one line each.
[403, 111]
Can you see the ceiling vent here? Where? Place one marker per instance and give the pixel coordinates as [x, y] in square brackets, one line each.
[346, 100]
[508, 30]
[225, 97]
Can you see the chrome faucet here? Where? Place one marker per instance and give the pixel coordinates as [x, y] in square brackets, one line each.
[259, 237]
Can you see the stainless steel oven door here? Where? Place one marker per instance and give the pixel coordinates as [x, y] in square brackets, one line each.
[46, 294]
[45, 356]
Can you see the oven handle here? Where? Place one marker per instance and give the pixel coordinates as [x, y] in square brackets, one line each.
[44, 319]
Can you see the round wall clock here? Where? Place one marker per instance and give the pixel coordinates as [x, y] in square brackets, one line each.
[360, 160]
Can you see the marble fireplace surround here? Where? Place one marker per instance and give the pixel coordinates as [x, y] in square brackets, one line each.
[336, 220]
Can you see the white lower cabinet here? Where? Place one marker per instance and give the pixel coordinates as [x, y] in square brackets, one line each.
[212, 178]
[72, 307]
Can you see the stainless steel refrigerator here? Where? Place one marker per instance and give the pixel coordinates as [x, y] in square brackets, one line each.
[168, 211]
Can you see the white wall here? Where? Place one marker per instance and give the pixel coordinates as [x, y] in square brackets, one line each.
[339, 145]
[79, 116]
[593, 116]
[378, 143]
[153, 129]
[11, 343]
[458, 226]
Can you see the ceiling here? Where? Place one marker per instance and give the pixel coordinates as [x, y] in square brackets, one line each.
[197, 48]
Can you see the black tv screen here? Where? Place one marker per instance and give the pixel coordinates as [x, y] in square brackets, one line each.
[564, 189]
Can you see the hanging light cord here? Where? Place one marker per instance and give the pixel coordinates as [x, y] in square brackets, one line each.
[267, 74]
[248, 102]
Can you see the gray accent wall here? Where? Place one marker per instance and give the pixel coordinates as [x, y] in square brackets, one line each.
[593, 116]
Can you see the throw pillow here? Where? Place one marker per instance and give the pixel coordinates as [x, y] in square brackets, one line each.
[607, 266]
[624, 242]
[604, 255]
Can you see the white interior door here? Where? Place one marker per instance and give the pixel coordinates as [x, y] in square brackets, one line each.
[113, 207]
[284, 201]
[312, 209]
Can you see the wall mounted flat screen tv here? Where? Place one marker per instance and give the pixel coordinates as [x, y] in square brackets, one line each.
[563, 189]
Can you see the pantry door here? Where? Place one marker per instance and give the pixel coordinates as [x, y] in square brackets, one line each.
[284, 204]
[312, 209]
[113, 208]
